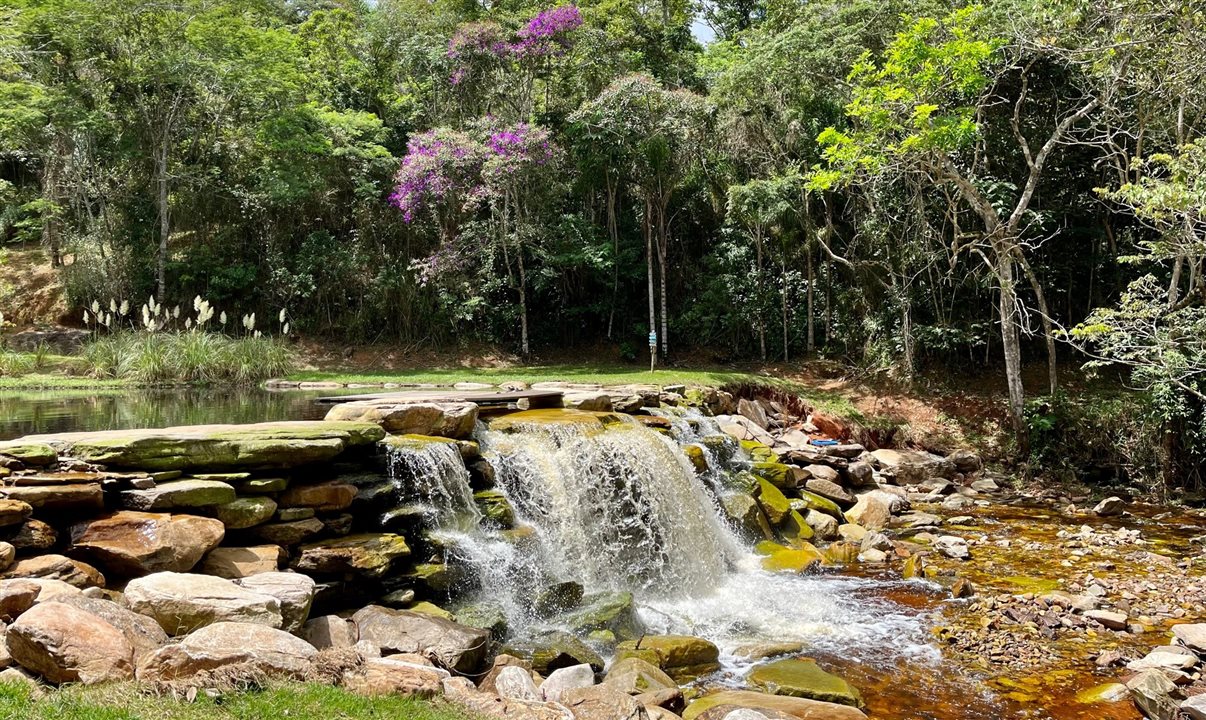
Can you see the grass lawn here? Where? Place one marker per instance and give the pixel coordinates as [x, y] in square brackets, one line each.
[292, 701]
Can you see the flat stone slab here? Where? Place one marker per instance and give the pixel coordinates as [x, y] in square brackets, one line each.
[535, 398]
[215, 447]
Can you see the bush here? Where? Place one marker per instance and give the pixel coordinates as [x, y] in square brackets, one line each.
[187, 357]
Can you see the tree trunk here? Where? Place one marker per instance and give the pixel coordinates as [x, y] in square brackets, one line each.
[759, 322]
[1011, 347]
[523, 301]
[161, 201]
[614, 231]
[812, 325]
[662, 249]
[649, 270]
[783, 295]
[906, 335]
[1048, 325]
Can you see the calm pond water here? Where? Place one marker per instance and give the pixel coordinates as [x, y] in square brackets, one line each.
[52, 411]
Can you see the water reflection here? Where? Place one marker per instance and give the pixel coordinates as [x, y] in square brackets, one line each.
[54, 411]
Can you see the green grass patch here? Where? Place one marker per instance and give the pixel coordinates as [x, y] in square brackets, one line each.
[46, 381]
[597, 374]
[294, 700]
[200, 358]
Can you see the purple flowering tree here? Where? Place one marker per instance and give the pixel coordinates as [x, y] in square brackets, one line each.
[505, 174]
[440, 177]
[493, 71]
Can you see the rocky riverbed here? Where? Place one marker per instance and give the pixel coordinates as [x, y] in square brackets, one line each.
[360, 551]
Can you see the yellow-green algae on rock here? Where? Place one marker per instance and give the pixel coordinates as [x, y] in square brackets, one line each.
[802, 677]
[215, 447]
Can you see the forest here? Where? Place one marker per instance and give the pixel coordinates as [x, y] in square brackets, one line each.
[908, 186]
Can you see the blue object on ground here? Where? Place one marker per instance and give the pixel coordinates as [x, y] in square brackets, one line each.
[823, 443]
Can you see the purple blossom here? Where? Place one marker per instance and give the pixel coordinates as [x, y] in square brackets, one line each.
[440, 166]
[547, 34]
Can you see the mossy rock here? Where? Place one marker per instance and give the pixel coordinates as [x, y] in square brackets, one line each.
[796, 528]
[30, 453]
[496, 508]
[774, 503]
[370, 555]
[633, 676]
[188, 493]
[485, 616]
[264, 486]
[740, 481]
[699, 460]
[612, 611]
[914, 567]
[518, 421]
[246, 512]
[842, 553]
[415, 442]
[436, 578]
[812, 501]
[553, 651]
[778, 474]
[216, 448]
[747, 515]
[802, 558]
[677, 655]
[780, 705]
[559, 598]
[758, 451]
[803, 678]
[426, 608]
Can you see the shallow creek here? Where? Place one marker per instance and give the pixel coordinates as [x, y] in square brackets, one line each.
[654, 528]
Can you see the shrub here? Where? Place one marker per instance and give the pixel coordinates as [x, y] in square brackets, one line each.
[186, 357]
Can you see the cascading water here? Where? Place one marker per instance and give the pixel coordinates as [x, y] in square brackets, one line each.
[615, 507]
[432, 475]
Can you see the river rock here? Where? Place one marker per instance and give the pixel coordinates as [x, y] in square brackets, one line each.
[824, 527]
[1160, 659]
[14, 512]
[66, 644]
[216, 447]
[515, 682]
[488, 705]
[801, 557]
[680, 656]
[289, 533]
[34, 536]
[27, 452]
[179, 494]
[564, 679]
[1195, 707]
[245, 512]
[325, 497]
[1110, 507]
[1108, 618]
[239, 562]
[831, 490]
[70, 498]
[600, 702]
[1155, 695]
[732, 712]
[953, 547]
[394, 676]
[589, 400]
[223, 644]
[871, 512]
[181, 603]
[48, 590]
[370, 555]
[798, 708]
[294, 591]
[456, 647]
[1192, 636]
[17, 596]
[143, 633]
[911, 467]
[773, 502]
[496, 508]
[746, 514]
[443, 419]
[614, 612]
[133, 543]
[329, 631]
[802, 677]
[634, 676]
[57, 567]
[554, 650]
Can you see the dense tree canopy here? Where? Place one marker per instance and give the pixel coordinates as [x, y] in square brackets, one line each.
[901, 184]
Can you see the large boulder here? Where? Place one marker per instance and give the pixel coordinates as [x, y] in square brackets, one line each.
[634, 676]
[132, 543]
[1155, 694]
[66, 644]
[799, 708]
[182, 603]
[393, 676]
[143, 633]
[554, 650]
[802, 677]
[601, 702]
[871, 512]
[294, 591]
[440, 419]
[911, 467]
[57, 567]
[223, 644]
[330, 631]
[746, 515]
[245, 512]
[456, 647]
[610, 611]
[566, 678]
[17, 596]
[1192, 636]
[14, 512]
[371, 555]
[216, 447]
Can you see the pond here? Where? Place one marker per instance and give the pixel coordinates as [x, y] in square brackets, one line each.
[56, 411]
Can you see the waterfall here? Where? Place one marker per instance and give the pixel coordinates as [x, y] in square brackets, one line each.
[615, 507]
[433, 476]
